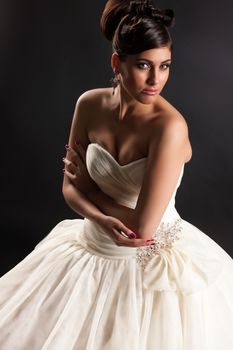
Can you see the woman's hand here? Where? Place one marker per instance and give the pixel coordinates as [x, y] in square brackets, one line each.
[121, 234]
[76, 169]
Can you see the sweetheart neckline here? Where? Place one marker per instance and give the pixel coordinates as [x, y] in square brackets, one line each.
[125, 165]
[111, 156]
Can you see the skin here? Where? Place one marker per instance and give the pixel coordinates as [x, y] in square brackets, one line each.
[146, 70]
[129, 125]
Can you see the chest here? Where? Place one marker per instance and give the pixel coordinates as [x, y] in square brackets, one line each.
[125, 141]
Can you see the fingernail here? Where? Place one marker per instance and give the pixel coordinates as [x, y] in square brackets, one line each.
[132, 235]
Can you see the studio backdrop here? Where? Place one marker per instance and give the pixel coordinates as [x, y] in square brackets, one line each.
[51, 52]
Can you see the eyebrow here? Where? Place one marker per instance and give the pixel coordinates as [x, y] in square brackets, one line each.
[151, 62]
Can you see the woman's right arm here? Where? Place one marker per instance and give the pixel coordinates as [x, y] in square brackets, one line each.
[77, 199]
[73, 196]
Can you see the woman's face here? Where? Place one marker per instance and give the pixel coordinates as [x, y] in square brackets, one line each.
[143, 76]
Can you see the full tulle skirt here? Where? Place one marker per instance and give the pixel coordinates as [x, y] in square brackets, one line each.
[78, 290]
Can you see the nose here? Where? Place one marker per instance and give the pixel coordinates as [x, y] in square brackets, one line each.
[153, 78]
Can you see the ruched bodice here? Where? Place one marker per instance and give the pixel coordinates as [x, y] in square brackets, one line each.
[122, 182]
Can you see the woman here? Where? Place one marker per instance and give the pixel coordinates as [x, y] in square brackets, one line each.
[133, 274]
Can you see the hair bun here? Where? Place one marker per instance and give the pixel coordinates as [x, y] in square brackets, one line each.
[112, 14]
[116, 11]
[145, 8]
[165, 16]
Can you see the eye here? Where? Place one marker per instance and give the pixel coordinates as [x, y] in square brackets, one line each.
[143, 65]
[165, 66]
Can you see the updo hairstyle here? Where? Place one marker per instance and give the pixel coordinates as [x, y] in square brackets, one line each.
[136, 26]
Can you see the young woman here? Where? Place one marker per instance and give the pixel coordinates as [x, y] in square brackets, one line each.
[133, 274]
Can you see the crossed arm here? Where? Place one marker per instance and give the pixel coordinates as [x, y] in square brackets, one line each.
[159, 181]
[166, 156]
[84, 196]
[76, 171]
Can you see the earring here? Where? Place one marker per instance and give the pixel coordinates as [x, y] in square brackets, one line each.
[114, 82]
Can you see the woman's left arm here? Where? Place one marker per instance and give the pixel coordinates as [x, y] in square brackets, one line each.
[166, 157]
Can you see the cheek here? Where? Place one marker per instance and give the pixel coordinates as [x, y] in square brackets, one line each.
[135, 78]
[164, 77]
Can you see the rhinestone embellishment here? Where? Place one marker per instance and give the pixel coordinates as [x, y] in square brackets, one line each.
[164, 237]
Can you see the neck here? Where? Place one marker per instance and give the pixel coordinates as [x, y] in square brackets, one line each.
[129, 107]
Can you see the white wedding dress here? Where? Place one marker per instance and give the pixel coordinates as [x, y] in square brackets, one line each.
[78, 290]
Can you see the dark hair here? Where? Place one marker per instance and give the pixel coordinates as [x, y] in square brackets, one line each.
[136, 26]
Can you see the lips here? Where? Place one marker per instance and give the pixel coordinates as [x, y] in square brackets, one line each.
[150, 91]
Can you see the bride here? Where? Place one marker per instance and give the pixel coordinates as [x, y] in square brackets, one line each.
[132, 274]
[131, 123]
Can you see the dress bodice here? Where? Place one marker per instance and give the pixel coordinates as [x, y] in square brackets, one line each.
[175, 261]
[122, 182]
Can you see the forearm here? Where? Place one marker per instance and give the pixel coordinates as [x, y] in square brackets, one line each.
[110, 207]
[81, 204]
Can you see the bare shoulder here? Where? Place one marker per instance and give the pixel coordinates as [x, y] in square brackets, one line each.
[87, 102]
[169, 116]
[171, 125]
[94, 97]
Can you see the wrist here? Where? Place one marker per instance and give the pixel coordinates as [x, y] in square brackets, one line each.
[99, 218]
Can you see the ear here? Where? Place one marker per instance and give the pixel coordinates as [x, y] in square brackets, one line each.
[115, 62]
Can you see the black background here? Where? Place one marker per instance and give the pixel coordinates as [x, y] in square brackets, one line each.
[50, 53]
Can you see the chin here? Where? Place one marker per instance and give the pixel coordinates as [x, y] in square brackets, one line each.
[147, 100]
